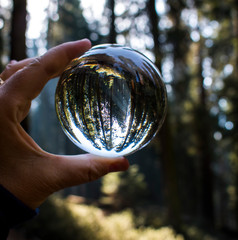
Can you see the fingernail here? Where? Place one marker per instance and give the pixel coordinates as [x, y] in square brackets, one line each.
[13, 61]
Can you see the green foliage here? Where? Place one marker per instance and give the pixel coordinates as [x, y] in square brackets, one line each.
[125, 188]
[60, 219]
[70, 25]
[56, 221]
[195, 233]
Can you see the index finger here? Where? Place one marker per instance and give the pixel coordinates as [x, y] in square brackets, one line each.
[28, 82]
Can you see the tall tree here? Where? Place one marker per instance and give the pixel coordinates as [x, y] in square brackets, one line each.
[112, 32]
[202, 122]
[235, 35]
[70, 25]
[178, 43]
[1, 49]
[167, 153]
[223, 53]
[2, 22]
[18, 30]
[18, 37]
[226, 47]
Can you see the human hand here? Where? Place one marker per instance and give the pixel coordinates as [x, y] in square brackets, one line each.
[27, 171]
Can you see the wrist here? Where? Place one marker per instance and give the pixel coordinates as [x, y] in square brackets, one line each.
[12, 210]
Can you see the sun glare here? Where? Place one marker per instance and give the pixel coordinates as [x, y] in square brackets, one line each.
[37, 15]
[92, 9]
[5, 3]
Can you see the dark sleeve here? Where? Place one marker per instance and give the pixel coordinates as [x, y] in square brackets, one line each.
[12, 212]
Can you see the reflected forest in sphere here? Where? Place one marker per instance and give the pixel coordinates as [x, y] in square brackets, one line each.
[111, 101]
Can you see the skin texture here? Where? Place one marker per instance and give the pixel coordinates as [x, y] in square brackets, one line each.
[26, 170]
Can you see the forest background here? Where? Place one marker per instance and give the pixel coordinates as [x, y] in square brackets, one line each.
[184, 184]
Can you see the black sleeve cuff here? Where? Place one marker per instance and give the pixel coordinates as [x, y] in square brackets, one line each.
[12, 210]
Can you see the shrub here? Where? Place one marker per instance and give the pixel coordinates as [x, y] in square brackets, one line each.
[63, 220]
[125, 189]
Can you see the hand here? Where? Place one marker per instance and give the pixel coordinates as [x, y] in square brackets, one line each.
[26, 170]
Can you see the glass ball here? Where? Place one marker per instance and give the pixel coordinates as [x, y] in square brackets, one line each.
[111, 101]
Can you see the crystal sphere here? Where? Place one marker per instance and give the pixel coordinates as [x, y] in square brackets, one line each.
[111, 101]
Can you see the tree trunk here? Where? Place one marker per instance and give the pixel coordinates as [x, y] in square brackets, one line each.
[165, 136]
[235, 37]
[18, 37]
[170, 175]
[18, 30]
[112, 34]
[1, 50]
[204, 150]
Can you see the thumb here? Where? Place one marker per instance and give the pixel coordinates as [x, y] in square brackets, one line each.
[55, 172]
[79, 169]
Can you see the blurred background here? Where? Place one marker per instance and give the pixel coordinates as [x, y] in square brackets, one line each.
[184, 184]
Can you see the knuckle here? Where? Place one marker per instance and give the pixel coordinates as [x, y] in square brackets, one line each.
[36, 62]
[11, 65]
[39, 63]
[8, 71]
